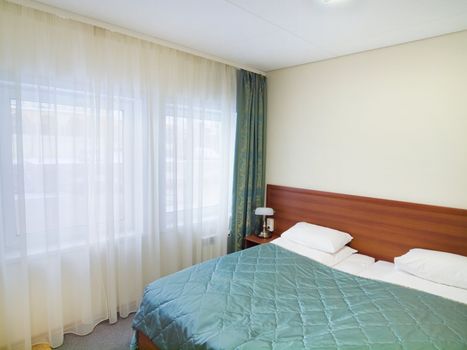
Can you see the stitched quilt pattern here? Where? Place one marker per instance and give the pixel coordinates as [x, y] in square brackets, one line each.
[267, 297]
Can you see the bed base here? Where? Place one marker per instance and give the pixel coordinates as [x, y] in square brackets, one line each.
[144, 343]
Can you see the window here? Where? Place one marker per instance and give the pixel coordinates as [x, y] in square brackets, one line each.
[194, 163]
[67, 156]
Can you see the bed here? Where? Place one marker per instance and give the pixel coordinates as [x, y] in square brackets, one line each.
[268, 297]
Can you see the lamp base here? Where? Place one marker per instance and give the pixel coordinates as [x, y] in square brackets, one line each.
[264, 234]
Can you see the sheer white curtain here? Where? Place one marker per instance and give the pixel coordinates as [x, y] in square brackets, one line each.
[115, 164]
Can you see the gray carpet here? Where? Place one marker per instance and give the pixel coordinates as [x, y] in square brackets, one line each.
[106, 336]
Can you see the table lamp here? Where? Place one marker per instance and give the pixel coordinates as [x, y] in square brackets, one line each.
[264, 212]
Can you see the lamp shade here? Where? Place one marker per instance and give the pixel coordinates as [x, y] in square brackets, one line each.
[264, 211]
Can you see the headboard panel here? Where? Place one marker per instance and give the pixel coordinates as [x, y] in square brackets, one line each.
[381, 228]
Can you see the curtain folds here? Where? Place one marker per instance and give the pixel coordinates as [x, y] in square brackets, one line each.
[116, 160]
[250, 156]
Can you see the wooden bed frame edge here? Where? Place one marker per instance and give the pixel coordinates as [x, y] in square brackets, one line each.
[144, 343]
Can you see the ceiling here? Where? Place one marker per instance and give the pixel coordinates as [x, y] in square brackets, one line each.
[272, 34]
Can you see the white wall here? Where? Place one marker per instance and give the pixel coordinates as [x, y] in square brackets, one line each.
[388, 123]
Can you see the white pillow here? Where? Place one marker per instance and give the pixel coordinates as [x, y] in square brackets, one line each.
[317, 255]
[317, 237]
[432, 265]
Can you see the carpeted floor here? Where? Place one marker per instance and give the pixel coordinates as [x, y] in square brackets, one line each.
[106, 336]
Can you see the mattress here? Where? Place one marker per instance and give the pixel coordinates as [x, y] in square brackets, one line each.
[267, 297]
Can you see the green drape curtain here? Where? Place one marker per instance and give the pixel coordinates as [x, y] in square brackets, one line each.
[250, 156]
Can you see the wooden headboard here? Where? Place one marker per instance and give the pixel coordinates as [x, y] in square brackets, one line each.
[381, 228]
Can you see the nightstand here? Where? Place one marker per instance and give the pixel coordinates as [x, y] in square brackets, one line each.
[252, 240]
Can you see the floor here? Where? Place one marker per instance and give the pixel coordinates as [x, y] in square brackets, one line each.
[106, 336]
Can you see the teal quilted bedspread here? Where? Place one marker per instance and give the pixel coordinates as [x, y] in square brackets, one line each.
[269, 298]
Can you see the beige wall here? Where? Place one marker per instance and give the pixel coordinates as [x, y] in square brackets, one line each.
[389, 123]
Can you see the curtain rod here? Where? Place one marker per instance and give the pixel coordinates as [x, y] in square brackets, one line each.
[117, 29]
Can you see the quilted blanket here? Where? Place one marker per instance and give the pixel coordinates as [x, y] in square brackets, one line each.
[269, 298]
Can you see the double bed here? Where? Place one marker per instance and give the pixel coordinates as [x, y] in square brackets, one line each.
[274, 297]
